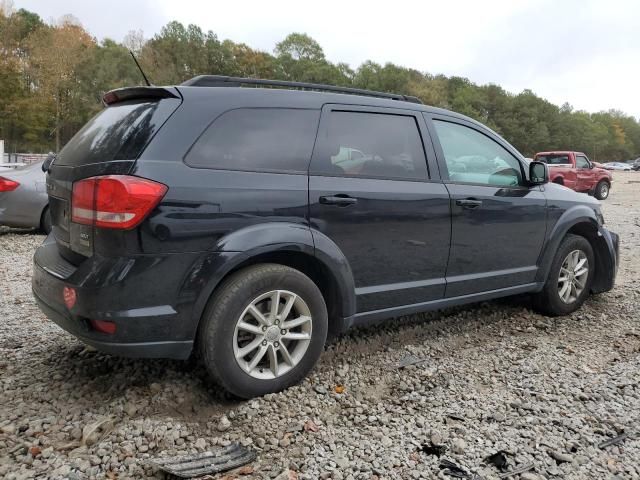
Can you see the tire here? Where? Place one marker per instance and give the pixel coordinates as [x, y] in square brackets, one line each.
[221, 338]
[549, 301]
[602, 190]
[45, 221]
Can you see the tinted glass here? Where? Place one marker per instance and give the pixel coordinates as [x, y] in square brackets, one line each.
[472, 157]
[554, 159]
[371, 145]
[259, 139]
[119, 132]
[582, 162]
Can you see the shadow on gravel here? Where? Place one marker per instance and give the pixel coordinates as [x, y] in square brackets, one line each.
[19, 231]
[174, 388]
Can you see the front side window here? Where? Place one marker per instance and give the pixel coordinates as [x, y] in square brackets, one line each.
[257, 139]
[374, 145]
[472, 157]
[582, 162]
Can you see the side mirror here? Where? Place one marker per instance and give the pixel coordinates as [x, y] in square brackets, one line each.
[538, 173]
[48, 161]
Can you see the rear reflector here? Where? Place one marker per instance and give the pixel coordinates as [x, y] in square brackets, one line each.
[103, 326]
[114, 201]
[69, 296]
[7, 185]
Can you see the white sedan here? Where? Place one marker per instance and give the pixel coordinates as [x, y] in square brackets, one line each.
[617, 166]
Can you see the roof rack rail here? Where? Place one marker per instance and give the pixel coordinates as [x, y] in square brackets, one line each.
[225, 81]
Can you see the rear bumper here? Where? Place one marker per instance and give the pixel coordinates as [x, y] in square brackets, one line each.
[121, 290]
[169, 349]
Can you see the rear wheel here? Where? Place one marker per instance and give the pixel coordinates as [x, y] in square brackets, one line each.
[45, 221]
[263, 330]
[570, 277]
[602, 190]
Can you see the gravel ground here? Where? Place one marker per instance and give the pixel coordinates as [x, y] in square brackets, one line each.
[493, 377]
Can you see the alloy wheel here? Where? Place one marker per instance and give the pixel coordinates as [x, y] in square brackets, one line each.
[573, 276]
[272, 334]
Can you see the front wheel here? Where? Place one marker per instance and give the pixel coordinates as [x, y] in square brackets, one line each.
[263, 331]
[602, 190]
[570, 278]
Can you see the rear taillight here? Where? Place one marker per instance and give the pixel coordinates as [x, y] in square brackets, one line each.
[114, 201]
[7, 185]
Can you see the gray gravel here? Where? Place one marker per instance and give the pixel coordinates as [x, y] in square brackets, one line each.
[489, 378]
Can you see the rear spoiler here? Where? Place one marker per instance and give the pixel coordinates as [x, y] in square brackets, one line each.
[130, 93]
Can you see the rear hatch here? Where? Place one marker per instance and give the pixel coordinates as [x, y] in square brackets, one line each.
[109, 144]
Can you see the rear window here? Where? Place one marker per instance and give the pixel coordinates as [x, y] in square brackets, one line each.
[257, 139]
[119, 132]
[554, 159]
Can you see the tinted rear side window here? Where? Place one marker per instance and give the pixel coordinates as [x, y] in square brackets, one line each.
[257, 139]
[373, 145]
[119, 132]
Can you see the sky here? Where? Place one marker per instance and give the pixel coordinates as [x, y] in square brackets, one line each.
[585, 52]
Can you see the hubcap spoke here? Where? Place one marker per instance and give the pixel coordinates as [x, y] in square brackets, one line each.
[286, 356]
[257, 314]
[581, 272]
[247, 349]
[273, 360]
[580, 264]
[288, 306]
[249, 327]
[296, 322]
[296, 336]
[275, 304]
[257, 357]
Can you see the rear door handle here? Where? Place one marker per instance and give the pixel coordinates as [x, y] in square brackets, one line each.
[340, 200]
[469, 203]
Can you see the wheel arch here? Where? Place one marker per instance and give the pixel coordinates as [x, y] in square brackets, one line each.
[291, 245]
[581, 222]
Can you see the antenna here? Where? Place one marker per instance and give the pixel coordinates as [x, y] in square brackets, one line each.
[140, 68]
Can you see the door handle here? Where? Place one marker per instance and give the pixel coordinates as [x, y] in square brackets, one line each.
[470, 203]
[340, 200]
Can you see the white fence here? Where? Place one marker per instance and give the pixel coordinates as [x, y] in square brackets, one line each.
[27, 158]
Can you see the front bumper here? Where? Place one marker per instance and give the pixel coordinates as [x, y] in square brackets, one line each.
[125, 291]
[607, 260]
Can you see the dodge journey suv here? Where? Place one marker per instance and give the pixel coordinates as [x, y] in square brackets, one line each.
[247, 224]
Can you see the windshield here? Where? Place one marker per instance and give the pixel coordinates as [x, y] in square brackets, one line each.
[119, 132]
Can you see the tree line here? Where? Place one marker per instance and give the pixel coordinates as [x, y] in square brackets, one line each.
[53, 76]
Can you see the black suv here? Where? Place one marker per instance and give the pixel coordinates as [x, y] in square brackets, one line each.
[250, 223]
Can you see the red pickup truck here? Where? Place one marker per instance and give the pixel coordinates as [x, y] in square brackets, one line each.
[575, 171]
